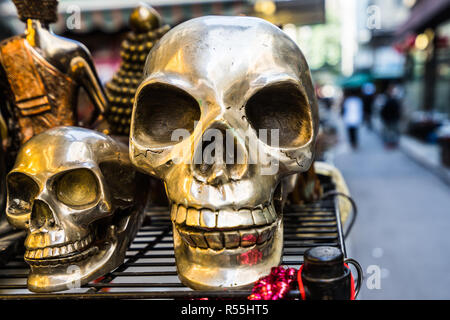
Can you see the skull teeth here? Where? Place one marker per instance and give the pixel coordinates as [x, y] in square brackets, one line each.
[59, 251]
[218, 240]
[63, 260]
[224, 218]
[225, 228]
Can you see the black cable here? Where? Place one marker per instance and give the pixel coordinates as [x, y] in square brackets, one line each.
[354, 207]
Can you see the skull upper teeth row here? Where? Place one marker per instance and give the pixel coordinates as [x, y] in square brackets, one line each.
[223, 219]
[58, 251]
[218, 240]
[52, 262]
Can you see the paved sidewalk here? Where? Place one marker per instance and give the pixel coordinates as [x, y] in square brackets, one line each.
[403, 223]
[427, 155]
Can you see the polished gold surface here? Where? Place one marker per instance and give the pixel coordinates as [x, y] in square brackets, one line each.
[146, 30]
[80, 200]
[229, 76]
[42, 74]
[77, 188]
[144, 18]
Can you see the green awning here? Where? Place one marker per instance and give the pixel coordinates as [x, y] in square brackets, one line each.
[355, 81]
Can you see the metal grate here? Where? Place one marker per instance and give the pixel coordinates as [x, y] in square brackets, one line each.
[149, 270]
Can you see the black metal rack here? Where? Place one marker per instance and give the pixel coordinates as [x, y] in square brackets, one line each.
[149, 270]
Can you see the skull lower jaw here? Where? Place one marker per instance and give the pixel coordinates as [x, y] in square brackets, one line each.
[208, 269]
[72, 271]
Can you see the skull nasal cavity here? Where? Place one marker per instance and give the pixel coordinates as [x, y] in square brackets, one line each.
[41, 215]
[219, 156]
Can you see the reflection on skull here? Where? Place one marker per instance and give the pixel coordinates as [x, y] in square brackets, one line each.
[228, 75]
[75, 192]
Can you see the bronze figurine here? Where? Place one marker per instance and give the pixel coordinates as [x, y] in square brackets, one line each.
[146, 30]
[40, 76]
[305, 188]
[41, 73]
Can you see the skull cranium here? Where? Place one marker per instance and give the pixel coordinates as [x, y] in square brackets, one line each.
[75, 192]
[225, 75]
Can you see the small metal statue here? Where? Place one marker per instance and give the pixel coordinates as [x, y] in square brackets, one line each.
[41, 73]
[146, 30]
[76, 193]
[305, 187]
[226, 76]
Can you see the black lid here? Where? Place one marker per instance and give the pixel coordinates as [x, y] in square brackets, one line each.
[324, 262]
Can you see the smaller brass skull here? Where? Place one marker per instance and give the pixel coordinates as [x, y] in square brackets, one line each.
[76, 194]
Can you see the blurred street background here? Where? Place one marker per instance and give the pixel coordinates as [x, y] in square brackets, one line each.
[381, 70]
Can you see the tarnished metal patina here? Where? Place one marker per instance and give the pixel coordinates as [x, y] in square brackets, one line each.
[76, 193]
[146, 30]
[228, 75]
[41, 74]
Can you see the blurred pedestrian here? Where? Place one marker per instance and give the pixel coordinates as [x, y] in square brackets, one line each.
[390, 115]
[368, 91]
[352, 112]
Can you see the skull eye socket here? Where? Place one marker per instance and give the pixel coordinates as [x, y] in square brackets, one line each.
[77, 188]
[21, 192]
[161, 109]
[282, 107]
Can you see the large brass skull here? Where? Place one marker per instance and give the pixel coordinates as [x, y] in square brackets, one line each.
[80, 200]
[223, 79]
